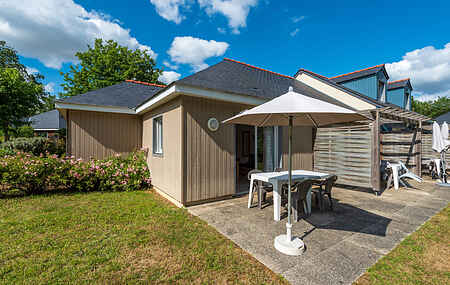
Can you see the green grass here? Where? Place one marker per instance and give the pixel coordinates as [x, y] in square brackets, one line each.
[422, 258]
[122, 237]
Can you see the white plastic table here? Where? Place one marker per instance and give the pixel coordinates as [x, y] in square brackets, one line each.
[277, 179]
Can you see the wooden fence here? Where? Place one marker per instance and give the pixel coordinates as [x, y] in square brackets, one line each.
[403, 147]
[346, 152]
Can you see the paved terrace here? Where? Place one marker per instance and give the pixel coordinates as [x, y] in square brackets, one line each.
[340, 245]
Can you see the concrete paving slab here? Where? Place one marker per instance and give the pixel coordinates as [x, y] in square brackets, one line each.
[340, 245]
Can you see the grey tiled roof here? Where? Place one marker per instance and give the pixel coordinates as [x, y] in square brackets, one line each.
[359, 73]
[124, 94]
[399, 84]
[48, 120]
[443, 118]
[240, 78]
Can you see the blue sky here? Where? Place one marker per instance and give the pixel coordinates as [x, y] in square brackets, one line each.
[329, 38]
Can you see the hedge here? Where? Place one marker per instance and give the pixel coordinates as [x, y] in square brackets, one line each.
[35, 145]
[35, 174]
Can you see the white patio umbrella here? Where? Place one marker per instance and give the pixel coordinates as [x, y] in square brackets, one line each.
[294, 109]
[444, 133]
[445, 144]
[437, 139]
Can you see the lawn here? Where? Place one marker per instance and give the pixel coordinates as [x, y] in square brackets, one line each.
[116, 237]
[422, 258]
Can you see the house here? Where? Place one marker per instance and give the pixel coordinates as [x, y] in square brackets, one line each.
[399, 93]
[48, 123]
[194, 158]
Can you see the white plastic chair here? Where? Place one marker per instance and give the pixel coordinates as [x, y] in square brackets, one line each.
[407, 174]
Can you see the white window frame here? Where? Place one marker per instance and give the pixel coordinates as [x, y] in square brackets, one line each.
[157, 136]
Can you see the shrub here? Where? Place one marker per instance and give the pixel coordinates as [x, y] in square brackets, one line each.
[36, 145]
[36, 174]
[24, 132]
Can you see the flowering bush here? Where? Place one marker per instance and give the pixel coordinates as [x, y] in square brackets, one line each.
[35, 145]
[34, 174]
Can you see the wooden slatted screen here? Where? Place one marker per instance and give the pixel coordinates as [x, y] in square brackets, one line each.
[346, 152]
[401, 147]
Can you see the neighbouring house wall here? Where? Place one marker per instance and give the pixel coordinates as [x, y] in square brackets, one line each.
[166, 169]
[336, 93]
[366, 85]
[302, 148]
[210, 156]
[397, 97]
[99, 135]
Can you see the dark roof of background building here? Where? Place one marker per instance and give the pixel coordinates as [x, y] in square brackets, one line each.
[399, 84]
[127, 94]
[360, 73]
[443, 118]
[240, 78]
[47, 121]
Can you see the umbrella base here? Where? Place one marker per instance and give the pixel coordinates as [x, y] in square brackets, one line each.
[289, 247]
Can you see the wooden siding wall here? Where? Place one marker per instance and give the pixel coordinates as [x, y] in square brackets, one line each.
[346, 152]
[210, 156]
[401, 147]
[302, 148]
[166, 169]
[366, 85]
[396, 96]
[100, 135]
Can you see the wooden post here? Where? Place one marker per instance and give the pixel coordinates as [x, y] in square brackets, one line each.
[419, 150]
[376, 183]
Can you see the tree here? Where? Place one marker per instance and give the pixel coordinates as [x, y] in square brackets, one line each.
[10, 59]
[108, 63]
[432, 109]
[19, 98]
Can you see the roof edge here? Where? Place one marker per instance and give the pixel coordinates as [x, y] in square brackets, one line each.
[145, 83]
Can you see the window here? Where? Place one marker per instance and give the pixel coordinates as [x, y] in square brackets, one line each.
[157, 135]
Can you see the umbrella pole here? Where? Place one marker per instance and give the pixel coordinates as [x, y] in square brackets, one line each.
[289, 224]
[286, 243]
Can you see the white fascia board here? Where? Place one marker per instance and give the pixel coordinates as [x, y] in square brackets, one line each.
[197, 92]
[162, 97]
[93, 108]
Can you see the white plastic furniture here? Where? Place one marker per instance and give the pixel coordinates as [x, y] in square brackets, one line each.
[277, 179]
[398, 167]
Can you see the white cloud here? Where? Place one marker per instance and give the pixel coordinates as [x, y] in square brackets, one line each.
[429, 70]
[169, 65]
[169, 9]
[50, 87]
[194, 51]
[221, 30]
[236, 11]
[32, 70]
[297, 19]
[294, 32]
[54, 30]
[169, 76]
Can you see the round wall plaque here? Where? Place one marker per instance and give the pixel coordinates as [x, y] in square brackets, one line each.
[213, 124]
